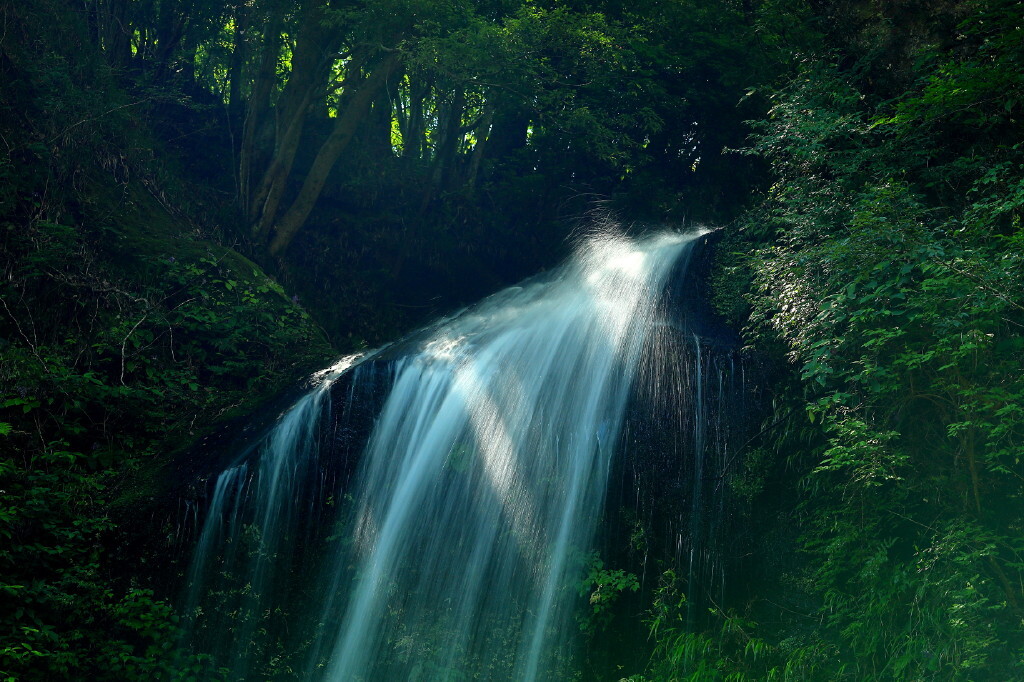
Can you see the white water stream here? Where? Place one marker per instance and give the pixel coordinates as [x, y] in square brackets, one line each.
[477, 495]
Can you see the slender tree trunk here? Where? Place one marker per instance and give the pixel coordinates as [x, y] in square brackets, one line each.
[483, 134]
[170, 30]
[91, 10]
[378, 126]
[510, 131]
[413, 142]
[115, 32]
[316, 47]
[188, 58]
[259, 102]
[345, 127]
[268, 195]
[239, 53]
[446, 147]
[401, 107]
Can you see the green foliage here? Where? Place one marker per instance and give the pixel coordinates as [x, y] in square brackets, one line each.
[885, 260]
[602, 587]
[894, 280]
[729, 651]
[124, 334]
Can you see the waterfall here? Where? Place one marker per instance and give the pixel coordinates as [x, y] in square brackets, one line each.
[452, 548]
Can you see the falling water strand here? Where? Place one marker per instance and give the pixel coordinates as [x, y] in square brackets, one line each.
[697, 504]
[486, 471]
[248, 521]
[458, 549]
[228, 484]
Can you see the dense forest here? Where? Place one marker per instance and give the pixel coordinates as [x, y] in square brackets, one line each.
[202, 202]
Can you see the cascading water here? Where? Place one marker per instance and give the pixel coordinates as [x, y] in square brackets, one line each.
[455, 550]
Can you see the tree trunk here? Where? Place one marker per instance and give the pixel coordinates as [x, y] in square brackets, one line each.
[259, 102]
[345, 127]
[239, 52]
[413, 142]
[447, 146]
[483, 134]
[510, 132]
[268, 196]
[316, 46]
[115, 32]
[378, 127]
[170, 29]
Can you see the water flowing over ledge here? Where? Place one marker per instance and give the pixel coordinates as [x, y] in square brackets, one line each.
[451, 548]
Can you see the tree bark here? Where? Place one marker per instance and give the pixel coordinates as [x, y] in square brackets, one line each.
[483, 134]
[378, 126]
[115, 32]
[268, 195]
[345, 127]
[510, 132]
[447, 146]
[259, 102]
[316, 46]
[413, 142]
[170, 29]
[239, 52]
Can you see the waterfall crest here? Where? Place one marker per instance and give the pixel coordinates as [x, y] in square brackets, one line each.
[454, 552]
